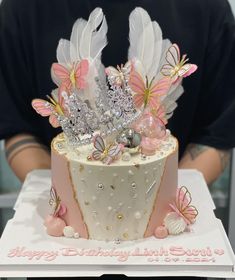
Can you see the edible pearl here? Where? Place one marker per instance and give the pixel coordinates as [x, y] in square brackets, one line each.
[68, 231]
[76, 235]
[137, 215]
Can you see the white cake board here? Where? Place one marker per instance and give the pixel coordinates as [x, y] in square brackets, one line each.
[26, 249]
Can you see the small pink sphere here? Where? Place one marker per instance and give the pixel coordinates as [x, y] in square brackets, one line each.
[55, 226]
[149, 146]
[48, 220]
[149, 126]
[161, 232]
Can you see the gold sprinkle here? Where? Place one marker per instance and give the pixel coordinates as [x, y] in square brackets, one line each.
[112, 187]
[89, 158]
[87, 202]
[81, 167]
[120, 216]
[125, 235]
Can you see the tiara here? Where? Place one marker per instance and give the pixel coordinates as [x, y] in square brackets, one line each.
[91, 99]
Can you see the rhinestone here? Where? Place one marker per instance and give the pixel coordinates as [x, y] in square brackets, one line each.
[122, 180]
[100, 186]
[110, 208]
[133, 185]
[135, 195]
[146, 172]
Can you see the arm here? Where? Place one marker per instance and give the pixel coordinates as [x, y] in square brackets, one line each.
[210, 161]
[24, 154]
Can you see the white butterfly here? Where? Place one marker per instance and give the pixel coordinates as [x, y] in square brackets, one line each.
[177, 68]
[105, 154]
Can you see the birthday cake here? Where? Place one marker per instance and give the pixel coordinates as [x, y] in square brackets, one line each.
[114, 166]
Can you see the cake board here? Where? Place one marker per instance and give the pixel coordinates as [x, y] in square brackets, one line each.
[26, 250]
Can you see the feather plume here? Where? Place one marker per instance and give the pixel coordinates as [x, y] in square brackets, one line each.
[65, 52]
[93, 40]
[169, 102]
[75, 38]
[145, 41]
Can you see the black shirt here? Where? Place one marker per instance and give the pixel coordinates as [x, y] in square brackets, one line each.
[204, 29]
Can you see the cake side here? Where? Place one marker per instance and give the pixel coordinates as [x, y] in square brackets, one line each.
[125, 200]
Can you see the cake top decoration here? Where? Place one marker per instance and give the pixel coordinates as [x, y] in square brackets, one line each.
[91, 99]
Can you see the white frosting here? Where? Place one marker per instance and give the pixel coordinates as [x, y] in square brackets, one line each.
[116, 200]
[174, 223]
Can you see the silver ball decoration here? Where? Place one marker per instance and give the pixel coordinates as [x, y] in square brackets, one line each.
[129, 138]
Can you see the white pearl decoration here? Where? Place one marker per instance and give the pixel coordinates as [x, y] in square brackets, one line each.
[137, 215]
[68, 231]
[76, 235]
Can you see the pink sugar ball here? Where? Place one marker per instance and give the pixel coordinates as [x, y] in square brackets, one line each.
[55, 226]
[161, 232]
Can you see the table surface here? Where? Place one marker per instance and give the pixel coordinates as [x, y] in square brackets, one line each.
[26, 250]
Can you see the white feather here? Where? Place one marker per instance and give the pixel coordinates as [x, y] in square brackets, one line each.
[65, 52]
[75, 38]
[145, 41]
[169, 102]
[92, 40]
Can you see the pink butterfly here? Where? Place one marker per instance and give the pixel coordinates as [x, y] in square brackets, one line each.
[52, 109]
[73, 77]
[105, 154]
[177, 67]
[182, 205]
[147, 93]
[55, 202]
[120, 73]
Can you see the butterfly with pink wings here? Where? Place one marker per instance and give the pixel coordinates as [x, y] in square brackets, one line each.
[58, 208]
[52, 108]
[177, 67]
[147, 93]
[183, 207]
[106, 154]
[73, 77]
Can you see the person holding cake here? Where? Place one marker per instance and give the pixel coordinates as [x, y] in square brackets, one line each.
[147, 87]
